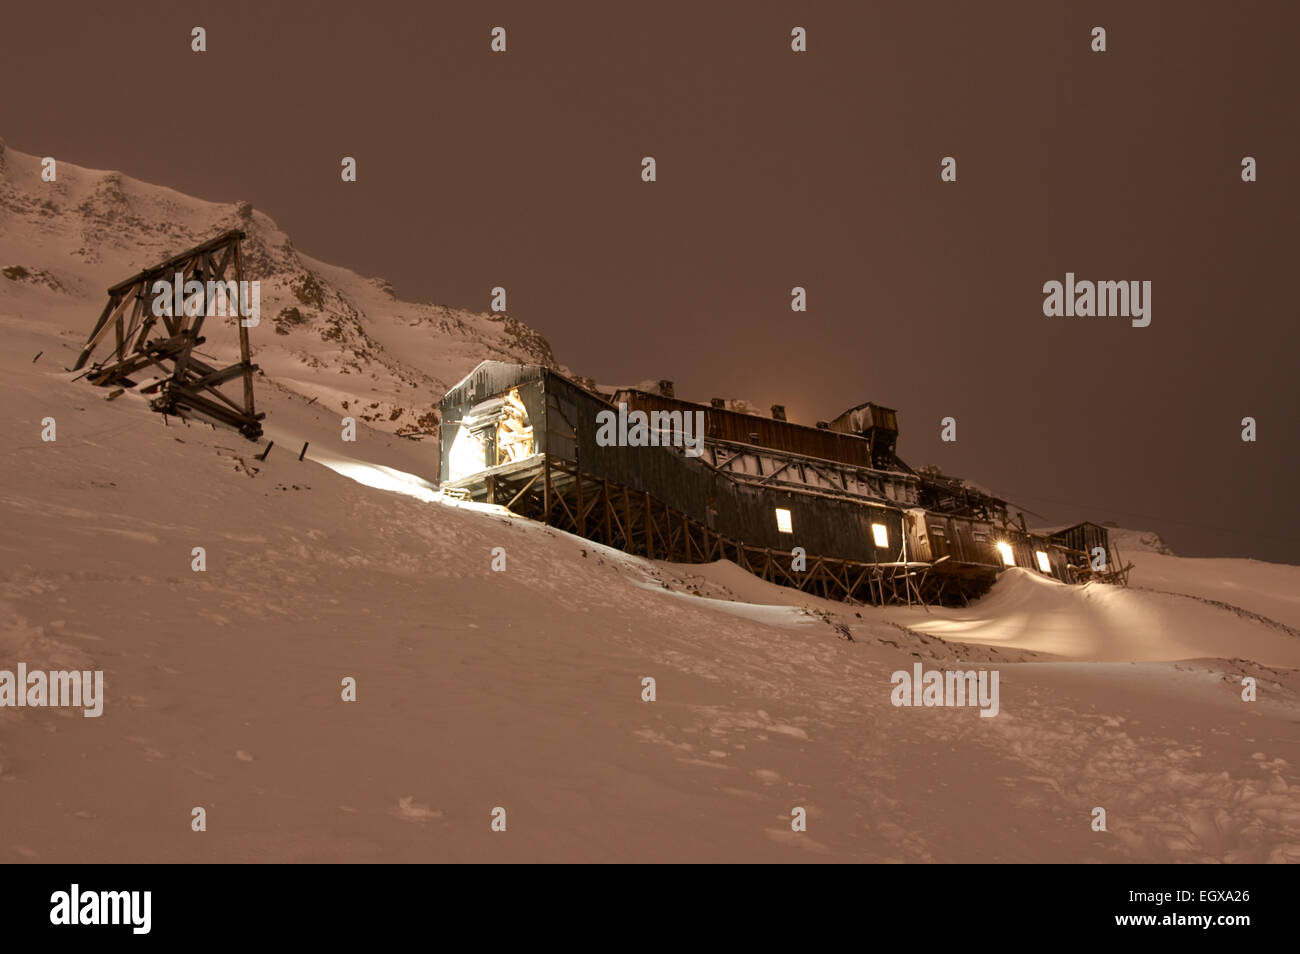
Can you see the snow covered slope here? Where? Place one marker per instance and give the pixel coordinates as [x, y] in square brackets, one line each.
[326, 332]
[1026, 610]
[522, 688]
[1138, 541]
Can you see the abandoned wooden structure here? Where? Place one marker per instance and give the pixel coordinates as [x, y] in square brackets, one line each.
[828, 510]
[145, 338]
[1094, 540]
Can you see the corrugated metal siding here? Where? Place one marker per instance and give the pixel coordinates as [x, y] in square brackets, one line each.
[479, 387]
[918, 536]
[761, 431]
[939, 533]
[491, 378]
[744, 513]
[564, 420]
[1084, 537]
[971, 541]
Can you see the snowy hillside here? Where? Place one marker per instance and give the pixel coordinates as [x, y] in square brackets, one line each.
[1144, 621]
[326, 332]
[521, 688]
[1138, 541]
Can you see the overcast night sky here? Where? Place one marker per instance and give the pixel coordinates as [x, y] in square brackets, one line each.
[778, 169]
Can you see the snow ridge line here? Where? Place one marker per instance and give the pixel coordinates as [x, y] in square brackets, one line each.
[1248, 614]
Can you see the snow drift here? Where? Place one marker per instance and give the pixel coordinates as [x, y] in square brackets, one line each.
[522, 686]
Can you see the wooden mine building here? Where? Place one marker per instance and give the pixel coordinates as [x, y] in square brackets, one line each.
[870, 528]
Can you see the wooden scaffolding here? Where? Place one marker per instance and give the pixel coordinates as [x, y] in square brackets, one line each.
[556, 492]
[129, 324]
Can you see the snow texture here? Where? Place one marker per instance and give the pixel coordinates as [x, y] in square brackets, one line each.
[523, 688]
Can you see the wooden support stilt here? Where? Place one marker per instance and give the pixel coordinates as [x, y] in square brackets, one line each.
[560, 495]
[605, 506]
[546, 490]
[581, 517]
[188, 384]
[649, 528]
[627, 520]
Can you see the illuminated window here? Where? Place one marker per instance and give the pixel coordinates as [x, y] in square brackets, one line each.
[881, 533]
[783, 522]
[1043, 563]
[1004, 551]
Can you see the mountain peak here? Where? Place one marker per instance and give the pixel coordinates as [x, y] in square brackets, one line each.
[344, 340]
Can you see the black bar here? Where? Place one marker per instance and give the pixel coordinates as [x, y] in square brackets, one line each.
[975, 906]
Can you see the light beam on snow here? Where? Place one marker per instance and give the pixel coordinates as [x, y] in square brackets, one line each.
[379, 476]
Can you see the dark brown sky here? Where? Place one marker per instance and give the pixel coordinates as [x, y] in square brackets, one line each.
[776, 169]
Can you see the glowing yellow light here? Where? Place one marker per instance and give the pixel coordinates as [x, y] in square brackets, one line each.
[514, 432]
[1043, 563]
[881, 533]
[1004, 551]
[783, 522]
